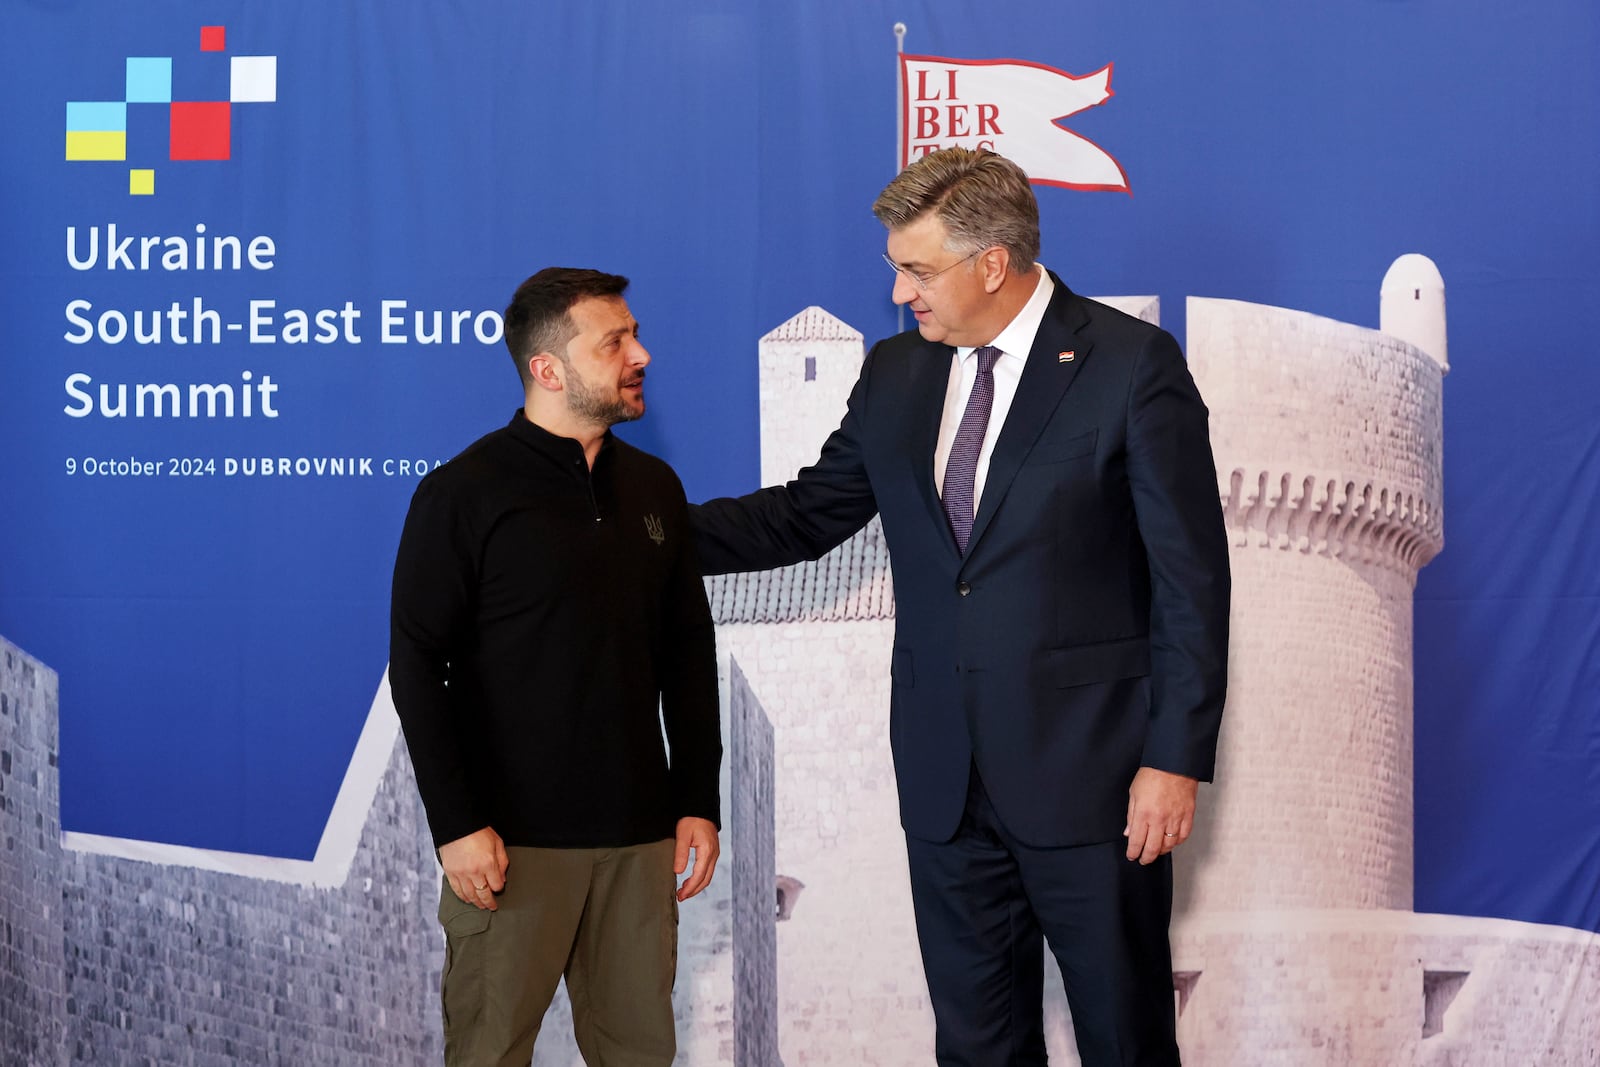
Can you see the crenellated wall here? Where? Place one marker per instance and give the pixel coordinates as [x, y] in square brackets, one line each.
[1328, 437]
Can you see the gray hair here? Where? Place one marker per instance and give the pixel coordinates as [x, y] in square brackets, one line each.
[982, 198]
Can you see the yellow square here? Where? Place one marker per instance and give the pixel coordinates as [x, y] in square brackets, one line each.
[141, 183]
[97, 144]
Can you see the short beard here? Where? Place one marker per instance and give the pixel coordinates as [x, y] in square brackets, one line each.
[589, 406]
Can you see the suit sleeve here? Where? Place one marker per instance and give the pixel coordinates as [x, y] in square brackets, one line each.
[819, 510]
[1174, 485]
[430, 608]
[689, 708]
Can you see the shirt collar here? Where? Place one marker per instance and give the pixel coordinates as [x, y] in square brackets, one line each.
[562, 448]
[1017, 338]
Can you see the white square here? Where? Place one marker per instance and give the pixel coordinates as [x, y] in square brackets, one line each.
[254, 80]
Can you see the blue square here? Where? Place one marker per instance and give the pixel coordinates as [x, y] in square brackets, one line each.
[148, 133]
[205, 76]
[149, 80]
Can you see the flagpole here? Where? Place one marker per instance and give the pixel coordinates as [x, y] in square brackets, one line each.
[899, 131]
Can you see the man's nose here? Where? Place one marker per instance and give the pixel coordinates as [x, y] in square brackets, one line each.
[905, 290]
[638, 356]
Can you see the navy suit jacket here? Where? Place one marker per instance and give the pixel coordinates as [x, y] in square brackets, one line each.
[1085, 632]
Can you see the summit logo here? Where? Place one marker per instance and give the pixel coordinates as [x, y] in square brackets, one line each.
[199, 118]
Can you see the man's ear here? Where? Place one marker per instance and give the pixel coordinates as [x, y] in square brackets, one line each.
[994, 263]
[545, 370]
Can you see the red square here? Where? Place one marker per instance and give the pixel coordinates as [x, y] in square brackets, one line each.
[200, 130]
[213, 38]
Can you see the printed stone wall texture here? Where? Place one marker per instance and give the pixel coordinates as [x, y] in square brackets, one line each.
[32, 961]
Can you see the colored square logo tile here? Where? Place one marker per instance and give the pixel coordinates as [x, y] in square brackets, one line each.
[149, 80]
[213, 38]
[141, 183]
[96, 115]
[201, 130]
[254, 80]
[97, 145]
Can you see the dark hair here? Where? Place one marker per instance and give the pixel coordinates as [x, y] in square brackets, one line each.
[537, 318]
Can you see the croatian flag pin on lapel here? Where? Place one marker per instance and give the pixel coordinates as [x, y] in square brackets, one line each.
[1066, 357]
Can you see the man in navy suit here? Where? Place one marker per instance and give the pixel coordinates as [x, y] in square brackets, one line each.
[1043, 469]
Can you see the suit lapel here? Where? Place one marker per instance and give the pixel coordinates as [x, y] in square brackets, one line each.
[1045, 377]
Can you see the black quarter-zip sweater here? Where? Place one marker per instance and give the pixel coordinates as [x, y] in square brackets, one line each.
[546, 622]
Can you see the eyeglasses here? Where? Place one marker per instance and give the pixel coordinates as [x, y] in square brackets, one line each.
[922, 281]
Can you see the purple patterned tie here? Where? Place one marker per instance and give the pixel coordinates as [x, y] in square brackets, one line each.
[961, 468]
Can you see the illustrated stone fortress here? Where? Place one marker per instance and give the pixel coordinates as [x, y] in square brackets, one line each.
[1295, 942]
[111, 960]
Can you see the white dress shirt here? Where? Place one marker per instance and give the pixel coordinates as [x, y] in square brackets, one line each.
[1014, 343]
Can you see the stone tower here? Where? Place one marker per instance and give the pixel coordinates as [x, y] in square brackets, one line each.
[1328, 442]
[808, 365]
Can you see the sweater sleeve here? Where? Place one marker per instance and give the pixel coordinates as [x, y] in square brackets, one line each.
[430, 612]
[689, 683]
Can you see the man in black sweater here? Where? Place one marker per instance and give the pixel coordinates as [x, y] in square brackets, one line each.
[548, 619]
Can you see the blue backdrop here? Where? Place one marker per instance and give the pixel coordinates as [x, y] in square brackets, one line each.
[220, 635]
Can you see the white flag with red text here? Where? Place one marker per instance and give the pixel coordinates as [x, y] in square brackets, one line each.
[1011, 107]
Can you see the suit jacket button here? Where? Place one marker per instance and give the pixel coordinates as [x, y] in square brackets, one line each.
[963, 588]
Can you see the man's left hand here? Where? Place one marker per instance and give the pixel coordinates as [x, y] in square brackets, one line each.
[1160, 813]
[700, 835]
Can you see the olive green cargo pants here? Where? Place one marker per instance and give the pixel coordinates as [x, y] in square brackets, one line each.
[605, 918]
